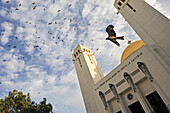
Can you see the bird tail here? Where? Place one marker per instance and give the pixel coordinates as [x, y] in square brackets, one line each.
[122, 37]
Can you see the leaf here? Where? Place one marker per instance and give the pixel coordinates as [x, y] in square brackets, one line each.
[19, 102]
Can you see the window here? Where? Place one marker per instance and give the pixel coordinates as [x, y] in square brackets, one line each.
[136, 108]
[83, 49]
[157, 103]
[135, 72]
[123, 0]
[107, 92]
[90, 59]
[78, 50]
[119, 112]
[119, 3]
[120, 83]
[80, 62]
[131, 7]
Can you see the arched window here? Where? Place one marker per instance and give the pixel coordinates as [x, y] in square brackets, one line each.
[78, 51]
[80, 62]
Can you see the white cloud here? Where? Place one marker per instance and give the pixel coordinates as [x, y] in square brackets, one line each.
[87, 9]
[3, 12]
[8, 83]
[30, 38]
[1, 48]
[161, 5]
[69, 78]
[53, 8]
[47, 70]
[34, 72]
[14, 65]
[19, 30]
[4, 40]
[8, 27]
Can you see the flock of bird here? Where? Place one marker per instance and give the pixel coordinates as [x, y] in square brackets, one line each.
[49, 23]
[17, 46]
[111, 33]
[110, 30]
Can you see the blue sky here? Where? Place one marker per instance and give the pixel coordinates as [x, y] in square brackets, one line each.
[36, 45]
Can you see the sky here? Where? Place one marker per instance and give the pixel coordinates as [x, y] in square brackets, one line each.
[38, 37]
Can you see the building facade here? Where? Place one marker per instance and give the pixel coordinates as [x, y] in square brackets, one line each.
[89, 73]
[140, 84]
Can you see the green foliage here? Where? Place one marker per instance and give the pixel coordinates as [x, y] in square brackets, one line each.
[17, 102]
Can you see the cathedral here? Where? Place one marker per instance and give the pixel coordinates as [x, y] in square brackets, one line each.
[141, 83]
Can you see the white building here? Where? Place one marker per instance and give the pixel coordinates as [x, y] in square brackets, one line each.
[141, 83]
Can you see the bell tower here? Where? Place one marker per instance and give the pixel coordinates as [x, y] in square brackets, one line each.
[150, 25]
[89, 73]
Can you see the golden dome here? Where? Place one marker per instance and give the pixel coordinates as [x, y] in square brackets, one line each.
[131, 48]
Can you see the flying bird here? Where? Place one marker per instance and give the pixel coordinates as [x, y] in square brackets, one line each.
[16, 9]
[36, 46]
[50, 23]
[34, 7]
[129, 41]
[112, 35]
[70, 5]
[71, 20]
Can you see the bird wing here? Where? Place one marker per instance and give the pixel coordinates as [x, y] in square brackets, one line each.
[117, 43]
[114, 41]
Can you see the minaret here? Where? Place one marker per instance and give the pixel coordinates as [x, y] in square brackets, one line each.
[151, 26]
[88, 73]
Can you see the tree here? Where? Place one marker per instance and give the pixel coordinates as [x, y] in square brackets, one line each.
[17, 102]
